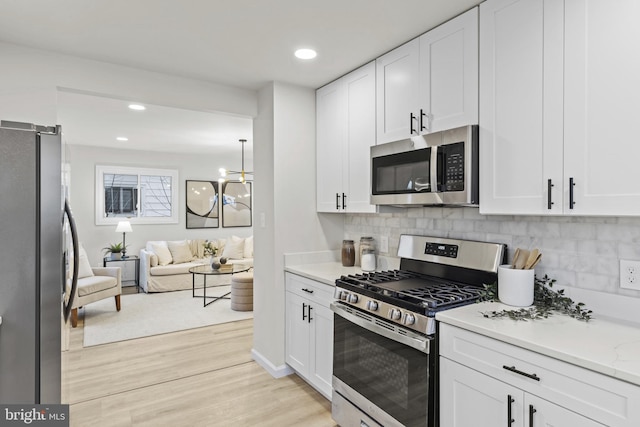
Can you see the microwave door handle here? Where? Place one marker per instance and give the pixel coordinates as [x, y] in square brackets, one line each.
[433, 169]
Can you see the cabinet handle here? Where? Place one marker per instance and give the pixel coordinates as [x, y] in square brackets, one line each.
[549, 187]
[532, 411]
[304, 316]
[309, 291]
[344, 201]
[509, 402]
[422, 115]
[513, 369]
[309, 317]
[337, 201]
[571, 185]
[411, 119]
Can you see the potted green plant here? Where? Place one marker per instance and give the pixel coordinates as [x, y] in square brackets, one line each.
[115, 249]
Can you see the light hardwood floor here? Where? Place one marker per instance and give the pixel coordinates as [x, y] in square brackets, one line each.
[199, 377]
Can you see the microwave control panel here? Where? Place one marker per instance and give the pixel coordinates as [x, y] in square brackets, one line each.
[453, 176]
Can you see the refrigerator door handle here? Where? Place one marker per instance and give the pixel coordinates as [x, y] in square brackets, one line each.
[76, 259]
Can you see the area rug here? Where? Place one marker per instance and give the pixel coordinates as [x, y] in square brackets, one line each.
[143, 315]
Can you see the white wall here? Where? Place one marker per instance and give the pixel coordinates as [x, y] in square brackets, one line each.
[83, 161]
[284, 158]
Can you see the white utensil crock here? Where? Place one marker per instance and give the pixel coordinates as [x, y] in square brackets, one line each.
[515, 287]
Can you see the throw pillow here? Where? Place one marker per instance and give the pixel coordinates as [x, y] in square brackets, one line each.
[248, 247]
[234, 248]
[84, 267]
[153, 260]
[180, 252]
[163, 253]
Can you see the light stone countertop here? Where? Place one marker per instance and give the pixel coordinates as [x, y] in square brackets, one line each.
[604, 345]
[325, 272]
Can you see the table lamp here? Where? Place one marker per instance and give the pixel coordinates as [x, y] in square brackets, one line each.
[124, 227]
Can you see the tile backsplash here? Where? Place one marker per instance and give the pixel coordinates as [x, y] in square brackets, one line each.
[582, 252]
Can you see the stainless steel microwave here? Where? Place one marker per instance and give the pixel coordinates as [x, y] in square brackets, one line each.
[440, 168]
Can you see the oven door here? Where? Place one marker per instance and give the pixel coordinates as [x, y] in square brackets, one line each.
[382, 369]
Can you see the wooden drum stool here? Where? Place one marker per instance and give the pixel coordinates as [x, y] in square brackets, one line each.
[242, 292]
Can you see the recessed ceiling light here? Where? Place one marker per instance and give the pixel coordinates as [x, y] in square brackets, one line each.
[122, 138]
[305, 53]
[137, 107]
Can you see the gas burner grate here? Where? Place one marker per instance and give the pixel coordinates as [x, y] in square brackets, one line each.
[437, 295]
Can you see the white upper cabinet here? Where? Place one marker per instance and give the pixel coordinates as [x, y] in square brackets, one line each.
[397, 77]
[602, 87]
[430, 83]
[554, 134]
[449, 74]
[345, 114]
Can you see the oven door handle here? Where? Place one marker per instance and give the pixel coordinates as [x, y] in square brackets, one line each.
[408, 337]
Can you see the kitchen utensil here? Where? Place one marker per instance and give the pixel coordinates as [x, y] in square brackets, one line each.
[515, 258]
[536, 261]
[522, 259]
[531, 259]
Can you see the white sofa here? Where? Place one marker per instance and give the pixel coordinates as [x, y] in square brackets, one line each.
[164, 265]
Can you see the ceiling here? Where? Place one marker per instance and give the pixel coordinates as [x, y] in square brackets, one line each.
[242, 43]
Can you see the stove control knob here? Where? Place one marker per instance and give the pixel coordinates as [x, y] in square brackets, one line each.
[338, 294]
[372, 305]
[394, 314]
[409, 319]
[353, 298]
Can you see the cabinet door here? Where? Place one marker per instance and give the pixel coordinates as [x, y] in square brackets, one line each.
[397, 78]
[471, 399]
[601, 105]
[321, 364]
[360, 88]
[297, 333]
[542, 413]
[449, 73]
[330, 139]
[521, 135]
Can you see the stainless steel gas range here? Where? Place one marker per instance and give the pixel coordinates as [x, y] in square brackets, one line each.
[385, 360]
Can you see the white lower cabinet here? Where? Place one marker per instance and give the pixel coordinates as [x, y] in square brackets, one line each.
[487, 382]
[309, 331]
[469, 398]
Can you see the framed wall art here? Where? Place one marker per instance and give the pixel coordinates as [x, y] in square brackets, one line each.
[202, 204]
[236, 204]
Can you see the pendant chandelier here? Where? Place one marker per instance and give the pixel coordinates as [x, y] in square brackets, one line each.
[243, 173]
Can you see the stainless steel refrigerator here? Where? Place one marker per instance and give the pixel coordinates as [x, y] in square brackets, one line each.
[34, 290]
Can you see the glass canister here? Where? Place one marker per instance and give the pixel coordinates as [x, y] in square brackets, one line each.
[368, 260]
[366, 242]
[348, 253]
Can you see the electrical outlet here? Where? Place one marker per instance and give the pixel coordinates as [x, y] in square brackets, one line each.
[384, 244]
[629, 274]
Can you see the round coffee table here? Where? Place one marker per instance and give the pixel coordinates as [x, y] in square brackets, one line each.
[206, 270]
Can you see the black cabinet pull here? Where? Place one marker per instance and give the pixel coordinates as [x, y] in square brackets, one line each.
[571, 185]
[411, 119]
[309, 291]
[549, 187]
[309, 317]
[304, 316]
[344, 201]
[513, 369]
[337, 201]
[510, 420]
[422, 115]
[532, 411]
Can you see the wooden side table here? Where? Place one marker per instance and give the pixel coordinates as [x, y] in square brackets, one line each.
[133, 258]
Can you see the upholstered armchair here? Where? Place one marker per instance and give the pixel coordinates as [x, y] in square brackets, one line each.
[105, 282]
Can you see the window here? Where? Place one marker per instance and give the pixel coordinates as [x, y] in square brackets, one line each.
[145, 196]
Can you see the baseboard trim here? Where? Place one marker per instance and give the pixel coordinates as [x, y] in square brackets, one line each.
[275, 371]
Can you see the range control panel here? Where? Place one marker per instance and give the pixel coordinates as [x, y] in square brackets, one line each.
[440, 249]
